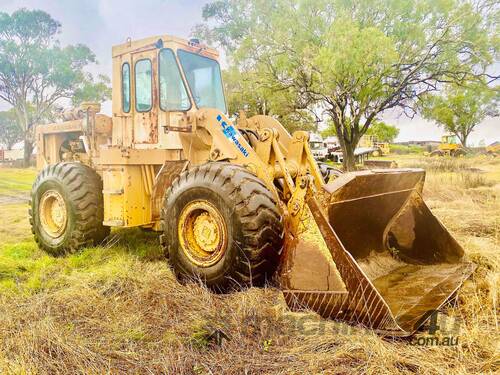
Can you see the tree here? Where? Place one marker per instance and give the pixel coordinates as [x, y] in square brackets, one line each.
[36, 72]
[357, 58]
[90, 90]
[10, 131]
[329, 131]
[461, 108]
[383, 132]
[244, 92]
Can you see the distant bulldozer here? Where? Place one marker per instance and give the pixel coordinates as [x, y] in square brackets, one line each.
[239, 203]
[449, 146]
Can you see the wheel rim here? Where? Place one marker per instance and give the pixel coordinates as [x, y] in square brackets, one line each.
[202, 233]
[53, 213]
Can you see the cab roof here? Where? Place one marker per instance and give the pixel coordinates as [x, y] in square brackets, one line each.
[140, 45]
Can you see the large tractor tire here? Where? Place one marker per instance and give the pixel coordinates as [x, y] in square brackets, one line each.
[221, 225]
[66, 210]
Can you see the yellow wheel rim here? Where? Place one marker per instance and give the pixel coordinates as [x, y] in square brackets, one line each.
[202, 233]
[53, 213]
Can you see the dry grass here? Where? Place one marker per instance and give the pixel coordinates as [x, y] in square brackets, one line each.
[118, 308]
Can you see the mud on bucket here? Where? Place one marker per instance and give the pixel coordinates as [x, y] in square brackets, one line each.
[396, 261]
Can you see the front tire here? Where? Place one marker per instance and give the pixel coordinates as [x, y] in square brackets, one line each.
[66, 209]
[221, 224]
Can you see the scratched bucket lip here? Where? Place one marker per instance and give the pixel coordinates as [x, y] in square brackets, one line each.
[388, 275]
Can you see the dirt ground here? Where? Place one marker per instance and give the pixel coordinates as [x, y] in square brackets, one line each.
[117, 308]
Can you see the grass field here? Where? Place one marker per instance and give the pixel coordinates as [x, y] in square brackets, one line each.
[117, 308]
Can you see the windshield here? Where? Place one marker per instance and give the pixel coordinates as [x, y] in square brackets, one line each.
[204, 79]
[173, 93]
[451, 139]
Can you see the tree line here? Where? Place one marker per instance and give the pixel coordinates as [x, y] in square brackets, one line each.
[301, 61]
[353, 60]
[37, 74]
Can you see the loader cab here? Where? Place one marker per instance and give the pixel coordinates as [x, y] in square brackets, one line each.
[204, 79]
[158, 85]
[449, 139]
[449, 143]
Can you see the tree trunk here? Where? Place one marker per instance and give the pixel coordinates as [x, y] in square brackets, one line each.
[349, 158]
[23, 121]
[464, 141]
[28, 150]
[463, 138]
[349, 162]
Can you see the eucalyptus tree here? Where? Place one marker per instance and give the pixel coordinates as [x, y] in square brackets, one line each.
[36, 72]
[10, 132]
[459, 109]
[357, 58]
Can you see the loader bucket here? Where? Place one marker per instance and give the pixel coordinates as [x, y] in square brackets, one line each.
[384, 260]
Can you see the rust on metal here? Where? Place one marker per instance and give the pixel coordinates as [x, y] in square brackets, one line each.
[202, 233]
[397, 261]
[363, 248]
[380, 164]
[53, 213]
[167, 174]
[153, 114]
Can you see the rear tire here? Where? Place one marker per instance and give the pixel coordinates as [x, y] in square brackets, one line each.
[66, 208]
[236, 206]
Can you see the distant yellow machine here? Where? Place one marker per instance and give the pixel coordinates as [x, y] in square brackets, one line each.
[493, 149]
[449, 146]
[383, 147]
[370, 141]
[239, 202]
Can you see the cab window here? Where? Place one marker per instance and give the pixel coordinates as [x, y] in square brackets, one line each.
[143, 85]
[173, 93]
[204, 78]
[126, 88]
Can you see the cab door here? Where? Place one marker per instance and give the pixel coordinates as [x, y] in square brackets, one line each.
[145, 97]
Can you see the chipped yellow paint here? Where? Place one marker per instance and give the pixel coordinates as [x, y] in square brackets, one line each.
[202, 233]
[53, 213]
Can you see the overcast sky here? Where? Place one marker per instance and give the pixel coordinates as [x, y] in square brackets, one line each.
[103, 23]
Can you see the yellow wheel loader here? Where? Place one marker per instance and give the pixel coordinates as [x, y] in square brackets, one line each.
[239, 203]
[379, 148]
[449, 146]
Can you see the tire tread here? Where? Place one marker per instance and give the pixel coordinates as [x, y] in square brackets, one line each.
[261, 221]
[83, 186]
